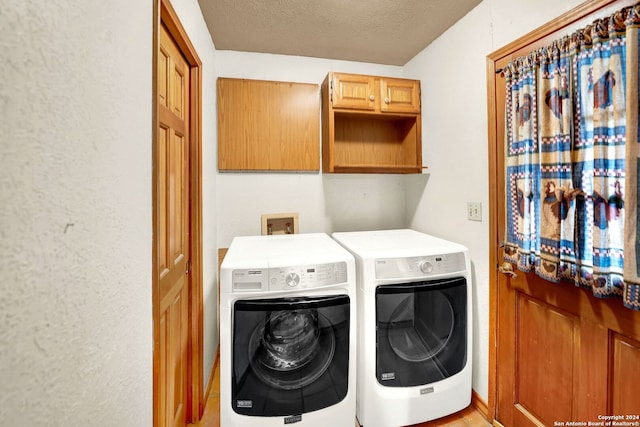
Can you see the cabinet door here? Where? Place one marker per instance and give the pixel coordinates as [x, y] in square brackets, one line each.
[399, 96]
[268, 126]
[353, 91]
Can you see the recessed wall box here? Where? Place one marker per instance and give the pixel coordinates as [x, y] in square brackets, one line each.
[284, 223]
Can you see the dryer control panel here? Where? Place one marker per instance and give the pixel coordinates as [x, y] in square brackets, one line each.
[419, 266]
[289, 278]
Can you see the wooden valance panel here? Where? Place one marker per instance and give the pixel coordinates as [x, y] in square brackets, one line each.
[268, 126]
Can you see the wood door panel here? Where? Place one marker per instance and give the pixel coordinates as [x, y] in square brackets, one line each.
[593, 354]
[625, 377]
[161, 201]
[353, 91]
[400, 96]
[179, 87]
[177, 181]
[177, 314]
[163, 80]
[162, 350]
[545, 350]
[173, 367]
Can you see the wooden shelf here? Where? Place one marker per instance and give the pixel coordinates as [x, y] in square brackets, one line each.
[399, 169]
[371, 125]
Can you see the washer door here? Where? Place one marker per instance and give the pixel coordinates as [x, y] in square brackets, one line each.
[291, 349]
[421, 331]
[290, 355]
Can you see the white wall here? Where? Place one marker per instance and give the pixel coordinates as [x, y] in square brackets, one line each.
[190, 16]
[325, 203]
[76, 343]
[452, 71]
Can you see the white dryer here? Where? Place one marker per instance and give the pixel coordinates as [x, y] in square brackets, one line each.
[414, 326]
[287, 332]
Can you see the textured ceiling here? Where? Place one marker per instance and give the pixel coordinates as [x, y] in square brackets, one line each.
[378, 31]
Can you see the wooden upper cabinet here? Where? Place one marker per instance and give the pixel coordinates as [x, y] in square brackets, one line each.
[371, 124]
[268, 126]
[384, 94]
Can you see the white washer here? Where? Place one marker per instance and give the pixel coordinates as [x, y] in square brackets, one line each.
[414, 326]
[287, 332]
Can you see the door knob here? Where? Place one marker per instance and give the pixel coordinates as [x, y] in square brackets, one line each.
[507, 269]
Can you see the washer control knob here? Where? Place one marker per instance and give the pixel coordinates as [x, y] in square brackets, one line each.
[292, 279]
[426, 267]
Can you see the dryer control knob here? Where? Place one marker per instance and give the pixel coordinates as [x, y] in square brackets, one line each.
[426, 267]
[292, 279]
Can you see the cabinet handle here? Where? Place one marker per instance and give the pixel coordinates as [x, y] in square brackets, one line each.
[372, 98]
[386, 100]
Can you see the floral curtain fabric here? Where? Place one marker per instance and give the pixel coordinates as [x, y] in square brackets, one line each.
[566, 152]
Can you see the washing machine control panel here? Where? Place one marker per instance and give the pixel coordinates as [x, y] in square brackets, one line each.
[289, 278]
[307, 276]
[419, 266]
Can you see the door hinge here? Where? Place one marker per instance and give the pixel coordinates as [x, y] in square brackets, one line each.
[188, 270]
[331, 92]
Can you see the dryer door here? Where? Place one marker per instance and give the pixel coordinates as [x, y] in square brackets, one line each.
[290, 355]
[421, 331]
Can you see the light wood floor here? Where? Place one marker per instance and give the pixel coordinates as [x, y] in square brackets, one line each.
[468, 417]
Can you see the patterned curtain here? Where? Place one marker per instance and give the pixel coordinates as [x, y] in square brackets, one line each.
[566, 151]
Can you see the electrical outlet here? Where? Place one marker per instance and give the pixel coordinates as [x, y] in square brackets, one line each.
[474, 211]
